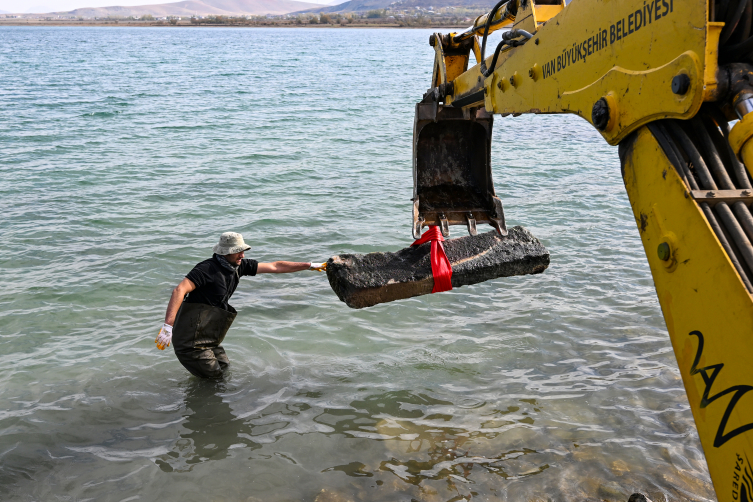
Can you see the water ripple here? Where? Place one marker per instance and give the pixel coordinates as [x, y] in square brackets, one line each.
[127, 151]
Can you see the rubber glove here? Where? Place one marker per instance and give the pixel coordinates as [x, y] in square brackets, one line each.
[165, 337]
[318, 266]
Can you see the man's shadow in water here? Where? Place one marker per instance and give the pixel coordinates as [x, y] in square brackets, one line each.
[210, 429]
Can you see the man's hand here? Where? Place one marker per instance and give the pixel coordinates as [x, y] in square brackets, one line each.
[318, 266]
[165, 337]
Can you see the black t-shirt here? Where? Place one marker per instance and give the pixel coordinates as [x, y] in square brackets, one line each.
[215, 283]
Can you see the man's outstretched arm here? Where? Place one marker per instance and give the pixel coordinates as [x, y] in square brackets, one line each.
[283, 267]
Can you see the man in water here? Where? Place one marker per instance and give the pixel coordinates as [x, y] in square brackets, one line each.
[197, 324]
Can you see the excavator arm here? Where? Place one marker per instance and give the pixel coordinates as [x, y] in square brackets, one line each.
[663, 79]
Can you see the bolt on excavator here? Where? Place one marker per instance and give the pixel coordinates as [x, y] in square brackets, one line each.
[672, 85]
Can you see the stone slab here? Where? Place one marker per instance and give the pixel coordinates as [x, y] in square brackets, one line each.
[366, 280]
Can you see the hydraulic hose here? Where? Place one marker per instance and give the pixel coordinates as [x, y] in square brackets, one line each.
[711, 155]
[730, 223]
[737, 52]
[723, 148]
[735, 230]
[508, 38]
[694, 150]
[508, 15]
[725, 244]
[670, 150]
[706, 181]
[747, 21]
[735, 42]
[489, 18]
[732, 20]
[721, 9]
[744, 218]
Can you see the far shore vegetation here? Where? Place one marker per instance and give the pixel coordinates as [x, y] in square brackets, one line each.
[414, 18]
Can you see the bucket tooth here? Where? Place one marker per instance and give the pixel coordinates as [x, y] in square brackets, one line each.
[498, 218]
[444, 225]
[471, 224]
[418, 220]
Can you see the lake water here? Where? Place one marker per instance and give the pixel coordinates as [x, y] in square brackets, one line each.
[127, 151]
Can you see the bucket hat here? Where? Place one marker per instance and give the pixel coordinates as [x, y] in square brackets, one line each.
[230, 243]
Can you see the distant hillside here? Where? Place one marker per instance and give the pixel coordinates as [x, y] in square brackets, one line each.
[366, 5]
[189, 8]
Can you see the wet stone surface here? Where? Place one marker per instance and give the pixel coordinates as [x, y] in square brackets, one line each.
[366, 280]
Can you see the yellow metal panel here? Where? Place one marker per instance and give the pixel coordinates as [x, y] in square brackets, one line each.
[708, 311]
[740, 141]
[455, 65]
[625, 88]
[440, 70]
[583, 43]
[546, 12]
[746, 154]
[468, 82]
[526, 17]
[712, 60]
[477, 49]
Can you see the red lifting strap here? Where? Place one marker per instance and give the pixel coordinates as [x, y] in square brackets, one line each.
[440, 265]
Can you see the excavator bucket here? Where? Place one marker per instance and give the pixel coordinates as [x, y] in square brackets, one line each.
[452, 177]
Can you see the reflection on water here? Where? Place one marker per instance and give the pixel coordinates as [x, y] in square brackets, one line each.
[210, 429]
[426, 455]
[422, 450]
[401, 443]
[431, 450]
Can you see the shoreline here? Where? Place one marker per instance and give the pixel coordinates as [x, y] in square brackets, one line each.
[136, 24]
[156, 25]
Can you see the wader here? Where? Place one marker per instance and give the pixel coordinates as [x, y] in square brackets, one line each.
[197, 334]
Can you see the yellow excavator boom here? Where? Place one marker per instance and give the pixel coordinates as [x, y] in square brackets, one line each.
[663, 79]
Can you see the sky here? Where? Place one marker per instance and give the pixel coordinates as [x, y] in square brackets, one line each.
[31, 6]
[42, 6]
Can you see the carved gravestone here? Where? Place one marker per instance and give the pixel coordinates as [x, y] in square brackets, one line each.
[366, 280]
